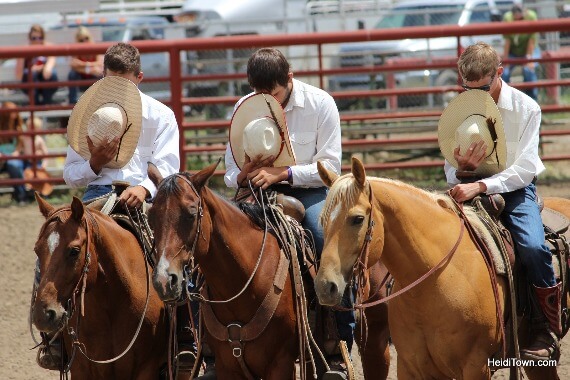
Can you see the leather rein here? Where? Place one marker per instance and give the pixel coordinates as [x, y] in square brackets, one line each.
[79, 289]
[359, 269]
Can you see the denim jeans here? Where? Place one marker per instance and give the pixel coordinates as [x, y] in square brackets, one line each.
[521, 217]
[314, 200]
[529, 75]
[74, 90]
[42, 95]
[15, 169]
[94, 191]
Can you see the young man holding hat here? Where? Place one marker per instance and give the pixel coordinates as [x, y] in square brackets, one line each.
[113, 132]
[277, 135]
[504, 160]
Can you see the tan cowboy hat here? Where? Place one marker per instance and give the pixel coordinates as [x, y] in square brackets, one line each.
[259, 127]
[470, 117]
[110, 108]
[44, 188]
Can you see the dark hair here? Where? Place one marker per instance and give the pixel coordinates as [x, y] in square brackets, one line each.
[266, 69]
[123, 58]
[517, 8]
[38, 29]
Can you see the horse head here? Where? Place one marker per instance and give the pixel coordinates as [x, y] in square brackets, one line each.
[347, 224]
[62, 249]
[175, 219]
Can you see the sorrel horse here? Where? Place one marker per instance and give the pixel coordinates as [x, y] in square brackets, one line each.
[445, 326]
[93, 285]
[191, 223]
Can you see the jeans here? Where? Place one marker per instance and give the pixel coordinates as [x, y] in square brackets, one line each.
[41, 95]
[95, 191]
[521, 217]
[15, 169]
[529, 75]
[74, 90]
[314, 200]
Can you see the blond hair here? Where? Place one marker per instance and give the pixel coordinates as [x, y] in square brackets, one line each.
[477, 62]
[82, 32]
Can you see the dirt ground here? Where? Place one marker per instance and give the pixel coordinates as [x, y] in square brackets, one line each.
[18, 232]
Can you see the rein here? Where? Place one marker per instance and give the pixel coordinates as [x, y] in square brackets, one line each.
[81, 287]
[361, 264]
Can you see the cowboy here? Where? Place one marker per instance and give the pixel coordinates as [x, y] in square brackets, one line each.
[503, 159]
[289, 126]
[114, 132]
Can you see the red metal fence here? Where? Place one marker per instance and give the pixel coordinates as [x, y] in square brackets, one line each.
[316, 42]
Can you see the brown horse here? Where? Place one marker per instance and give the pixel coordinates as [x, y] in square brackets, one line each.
[444, 327]
[93, 285]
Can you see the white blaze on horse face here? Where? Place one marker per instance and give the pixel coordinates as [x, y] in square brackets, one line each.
[335, 213]
[53, 242]
[162, 266]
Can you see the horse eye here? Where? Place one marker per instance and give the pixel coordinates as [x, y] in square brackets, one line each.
[357, 220]
[74, 251]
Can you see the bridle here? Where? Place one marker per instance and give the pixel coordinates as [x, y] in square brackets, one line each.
[79, 289]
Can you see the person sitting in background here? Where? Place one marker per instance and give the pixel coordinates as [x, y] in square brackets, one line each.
[83, 67]
[521, 45]
[42, 68]
[11, 122]
[36, 145]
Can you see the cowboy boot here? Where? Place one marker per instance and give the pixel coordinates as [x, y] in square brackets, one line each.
[186, 353]
[546, 344]
[49, 354]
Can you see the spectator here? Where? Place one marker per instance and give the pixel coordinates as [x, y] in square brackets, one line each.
[84, 66]
[42, 68]
[39, 148]
[522, 45]
[12, 122]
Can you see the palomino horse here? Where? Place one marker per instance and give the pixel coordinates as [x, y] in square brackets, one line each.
[192, 224]
[94, 290]
[443, 327]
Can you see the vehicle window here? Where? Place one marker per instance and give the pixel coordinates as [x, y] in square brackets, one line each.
[113, 34]
[421, 16]
[480, 13]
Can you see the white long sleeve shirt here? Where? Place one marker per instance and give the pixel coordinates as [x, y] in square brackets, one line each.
[521, 120]
[158, 143]
[314, 129]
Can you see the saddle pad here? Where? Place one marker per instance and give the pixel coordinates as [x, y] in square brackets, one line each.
[554, 220]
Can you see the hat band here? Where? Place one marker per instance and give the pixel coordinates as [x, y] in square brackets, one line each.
[493, 132]
[281, 133]
[125, 132]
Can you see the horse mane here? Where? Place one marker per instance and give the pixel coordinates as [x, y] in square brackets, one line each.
[345, 192]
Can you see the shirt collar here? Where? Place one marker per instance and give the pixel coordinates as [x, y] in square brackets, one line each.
[505, 97]
[297, 98]
[144, 112]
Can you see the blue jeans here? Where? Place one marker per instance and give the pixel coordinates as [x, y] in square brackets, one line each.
[42, 95]
[15, 169]
[95, 191]
[529, 75]
[522, 218]
[74, 90]
[314, 200]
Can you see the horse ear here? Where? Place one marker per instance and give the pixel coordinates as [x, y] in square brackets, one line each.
[154, 174]
[77, 209]
[358, 171]
[201, 178]
[45, 208]
[328, 176]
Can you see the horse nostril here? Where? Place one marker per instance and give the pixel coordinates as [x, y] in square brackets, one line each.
[333, 288]
[173, 279]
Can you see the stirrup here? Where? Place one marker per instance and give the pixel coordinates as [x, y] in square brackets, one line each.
[552, 346]
[184, 360]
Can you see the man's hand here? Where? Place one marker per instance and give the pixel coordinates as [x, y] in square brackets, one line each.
[466, 191]
[102, 154]
[134, 196]
[251, 166]
[267, 176]
[470, 160]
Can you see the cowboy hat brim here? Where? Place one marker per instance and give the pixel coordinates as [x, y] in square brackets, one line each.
[111, 89]
[466, 104]
[258, 106]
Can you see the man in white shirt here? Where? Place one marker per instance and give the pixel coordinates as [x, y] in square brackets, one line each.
[480, 68]
[313, 122]
[158, 142]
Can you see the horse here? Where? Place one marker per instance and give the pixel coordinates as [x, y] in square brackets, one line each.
[94, 292]
[192, 224]
[445, 325]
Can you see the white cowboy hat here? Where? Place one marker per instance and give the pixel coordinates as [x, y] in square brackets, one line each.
[470, 117]
[110, 108]
[258, 127]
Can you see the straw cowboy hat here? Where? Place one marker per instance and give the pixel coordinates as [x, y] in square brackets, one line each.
[470, 117]
[110, 108]
[259, 128]
[44, 188]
